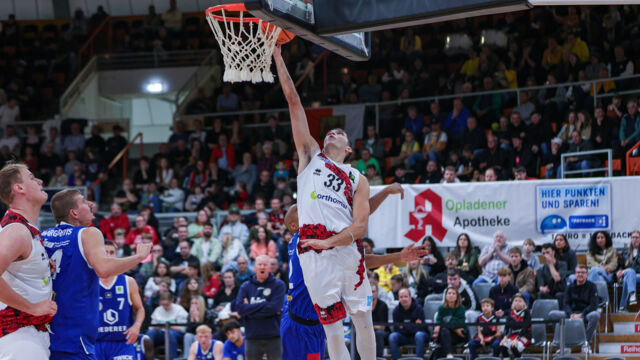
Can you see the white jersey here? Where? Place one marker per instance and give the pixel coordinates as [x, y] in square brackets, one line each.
[325, 197]
[30, 277]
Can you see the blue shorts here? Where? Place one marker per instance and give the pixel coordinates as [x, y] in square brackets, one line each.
[112, 350]
[60, 355]
[301, 342]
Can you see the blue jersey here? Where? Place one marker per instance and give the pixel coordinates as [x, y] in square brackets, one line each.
[201, 355]
[298, 301]
[75, 284]
[115, 310]
[233, 352]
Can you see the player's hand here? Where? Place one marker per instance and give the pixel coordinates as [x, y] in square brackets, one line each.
[396, 188]
[52, 267]
[315, 244]
[132, 334]
[412, 252]
[277, 52]
[143, 250]
[44, 307]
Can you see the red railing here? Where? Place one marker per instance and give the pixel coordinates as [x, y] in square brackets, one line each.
[632, 166]
[87, 50]
[121, 155]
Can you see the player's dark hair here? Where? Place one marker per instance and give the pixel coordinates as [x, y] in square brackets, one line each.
[110, 243]
[368, 241]
[549, 246]
[231, 325]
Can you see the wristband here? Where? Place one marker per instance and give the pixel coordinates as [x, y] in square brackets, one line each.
[352, 238]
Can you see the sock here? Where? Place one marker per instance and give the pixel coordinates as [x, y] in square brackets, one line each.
[335, 341]
[365, 337]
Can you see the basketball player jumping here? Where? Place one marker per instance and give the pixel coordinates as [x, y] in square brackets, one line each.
[121, 315]
[79, 253]
[333, 201]
[25, 283]
[300, 331]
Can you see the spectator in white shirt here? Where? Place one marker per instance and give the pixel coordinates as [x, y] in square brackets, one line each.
[9, 112]
[172, 18]
[239, 230]
[168, 312]
[231, 250]
[173, 198]
[10, 140]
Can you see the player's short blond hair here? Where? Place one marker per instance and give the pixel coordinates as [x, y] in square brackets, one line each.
[203, 329]
[9, 176]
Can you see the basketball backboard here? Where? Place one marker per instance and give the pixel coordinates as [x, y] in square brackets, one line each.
[298, 16]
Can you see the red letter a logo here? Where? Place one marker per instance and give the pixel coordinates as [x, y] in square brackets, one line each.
[419, 218]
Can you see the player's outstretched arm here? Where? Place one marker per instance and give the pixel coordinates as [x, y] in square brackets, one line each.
[93, 244]
[378, 198]
[409, 253]
[133, 332]
[306, 145]
[360, 221]
[15, 244]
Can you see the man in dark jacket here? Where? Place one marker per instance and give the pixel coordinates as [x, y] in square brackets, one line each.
[414, 333]
[522, 275]
[552, 276]
[580, 302]
[259, 302]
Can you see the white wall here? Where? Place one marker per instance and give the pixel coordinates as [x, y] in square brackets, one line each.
[153, 117]
[26, 9]
[86, 105]
[122, 82]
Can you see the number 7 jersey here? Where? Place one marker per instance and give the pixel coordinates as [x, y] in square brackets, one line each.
[325, 197]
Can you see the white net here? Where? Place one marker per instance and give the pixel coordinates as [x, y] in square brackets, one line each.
[246, 48]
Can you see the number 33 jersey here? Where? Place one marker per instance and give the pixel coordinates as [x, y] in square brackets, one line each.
[325, 197]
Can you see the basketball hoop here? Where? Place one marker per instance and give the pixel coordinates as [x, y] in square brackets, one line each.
[246, 42]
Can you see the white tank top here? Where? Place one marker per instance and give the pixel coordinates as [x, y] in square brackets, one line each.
[325, 197]
[30, 277]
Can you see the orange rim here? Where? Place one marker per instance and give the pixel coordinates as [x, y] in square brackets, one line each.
[238, 7]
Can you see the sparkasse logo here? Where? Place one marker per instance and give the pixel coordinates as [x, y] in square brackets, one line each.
[419, 218]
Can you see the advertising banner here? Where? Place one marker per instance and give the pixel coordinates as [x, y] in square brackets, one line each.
[535, 209]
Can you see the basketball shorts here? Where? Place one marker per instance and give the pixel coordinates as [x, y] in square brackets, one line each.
[112, 350]
[25, 343]
[61, 355]
[337, 283]
[301, 342]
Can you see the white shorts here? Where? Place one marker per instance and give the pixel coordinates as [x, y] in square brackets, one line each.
[337, 282]
[25, 343]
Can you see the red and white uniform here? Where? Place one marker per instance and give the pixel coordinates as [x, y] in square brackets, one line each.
[335, 277]
[22, 335]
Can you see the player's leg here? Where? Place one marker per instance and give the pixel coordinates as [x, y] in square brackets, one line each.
[335, 341]
[365, 336]
[25, 343]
